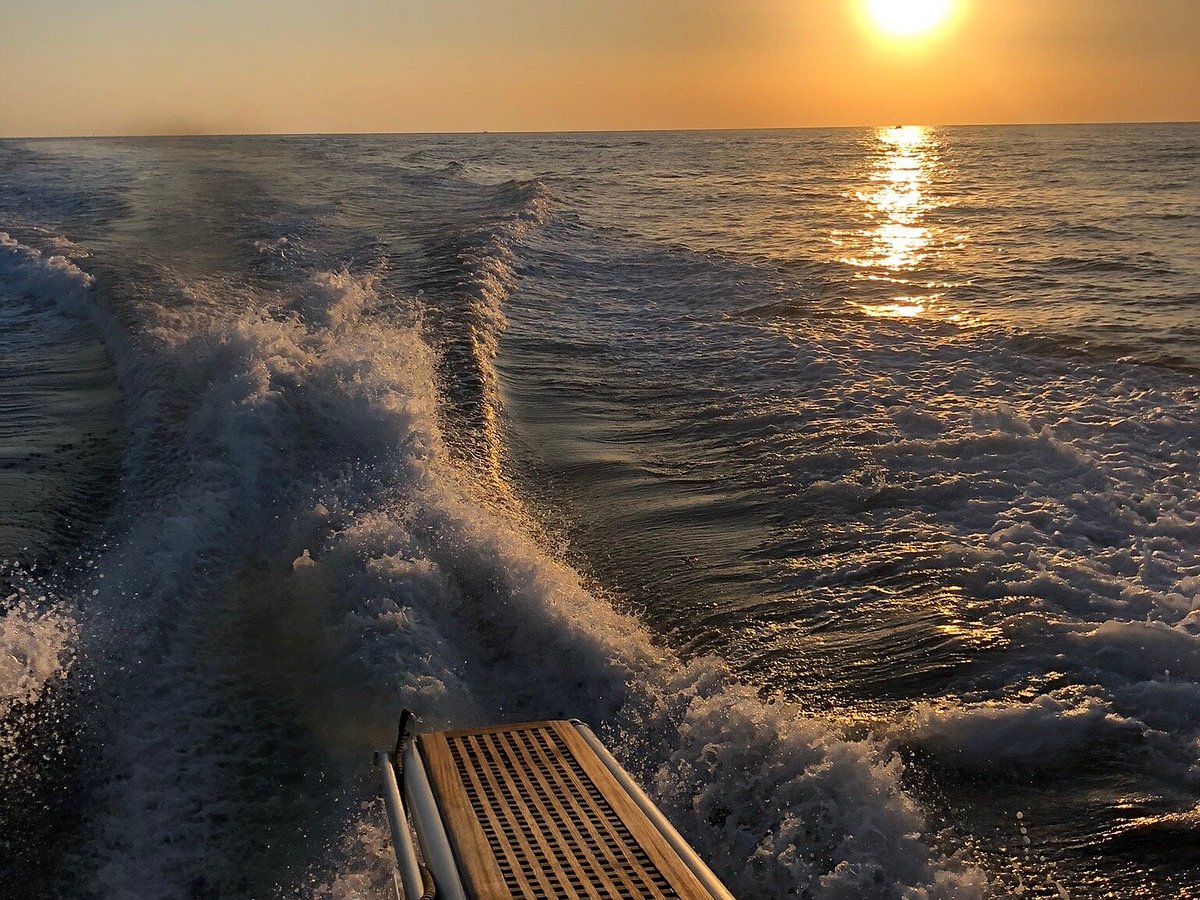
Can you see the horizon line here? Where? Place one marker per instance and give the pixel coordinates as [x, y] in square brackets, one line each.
[547, 131]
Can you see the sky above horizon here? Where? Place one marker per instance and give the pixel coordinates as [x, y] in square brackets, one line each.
[79, 67]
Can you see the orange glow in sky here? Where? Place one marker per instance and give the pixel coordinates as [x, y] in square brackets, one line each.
[131, 66]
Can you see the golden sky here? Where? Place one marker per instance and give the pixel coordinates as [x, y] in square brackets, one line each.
[165, 66]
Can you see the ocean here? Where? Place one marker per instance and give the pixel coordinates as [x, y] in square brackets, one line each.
[847, 481]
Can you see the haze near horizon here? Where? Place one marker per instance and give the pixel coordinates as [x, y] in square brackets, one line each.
[130, 67]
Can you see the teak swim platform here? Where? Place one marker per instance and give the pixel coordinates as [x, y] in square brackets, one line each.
[535, 811]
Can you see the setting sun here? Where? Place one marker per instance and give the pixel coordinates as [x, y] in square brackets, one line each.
[908, 18]
[800, 393]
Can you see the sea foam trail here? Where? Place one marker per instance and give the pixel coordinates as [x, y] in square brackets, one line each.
[263, 425]
[37, 634]
[37, 644]
[52, 277]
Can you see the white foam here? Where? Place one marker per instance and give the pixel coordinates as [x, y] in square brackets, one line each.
[53, 277]
[37, 645]
[321, 433]
[1043, 732]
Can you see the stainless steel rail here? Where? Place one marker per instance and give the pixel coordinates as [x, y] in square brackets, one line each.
[435, 846]
[411, 883]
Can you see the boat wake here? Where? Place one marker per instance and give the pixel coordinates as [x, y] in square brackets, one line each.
[299, 552]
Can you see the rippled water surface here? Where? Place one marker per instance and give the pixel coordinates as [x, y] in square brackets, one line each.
[847, 479]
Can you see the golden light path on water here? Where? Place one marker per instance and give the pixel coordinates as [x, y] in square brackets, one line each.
[898, 241]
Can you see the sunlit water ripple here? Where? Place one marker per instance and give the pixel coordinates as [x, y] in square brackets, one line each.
[847, 479]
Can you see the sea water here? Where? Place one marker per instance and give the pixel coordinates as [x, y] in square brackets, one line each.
[847, 481]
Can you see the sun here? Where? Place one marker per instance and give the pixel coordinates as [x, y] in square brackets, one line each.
[908, 18]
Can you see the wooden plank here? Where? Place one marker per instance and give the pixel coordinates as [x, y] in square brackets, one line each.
[524, 832]
[613, 848]
[477, 864]
[518, 756]
[680, 877]
[533, 814]
[490, 729]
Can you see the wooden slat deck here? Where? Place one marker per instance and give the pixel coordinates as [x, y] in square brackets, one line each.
[533, 813]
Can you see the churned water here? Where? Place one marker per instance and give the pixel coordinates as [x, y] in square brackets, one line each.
[847, 480]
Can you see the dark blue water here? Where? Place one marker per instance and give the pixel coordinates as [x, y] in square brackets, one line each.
[845, 479]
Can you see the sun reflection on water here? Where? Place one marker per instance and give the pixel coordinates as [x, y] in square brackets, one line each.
[898, 241]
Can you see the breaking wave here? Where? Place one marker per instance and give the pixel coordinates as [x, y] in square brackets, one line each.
[266, 426]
